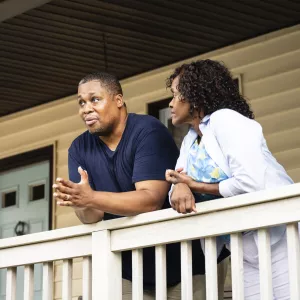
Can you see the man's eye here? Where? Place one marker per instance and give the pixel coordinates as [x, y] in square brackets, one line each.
[95, 99]
[81, 103]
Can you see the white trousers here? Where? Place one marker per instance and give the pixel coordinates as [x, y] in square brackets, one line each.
[279, 260]
[280, 275]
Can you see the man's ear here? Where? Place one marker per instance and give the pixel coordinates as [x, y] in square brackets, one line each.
[120, 101]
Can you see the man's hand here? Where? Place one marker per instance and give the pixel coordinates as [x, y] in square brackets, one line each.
[78, 195]
[178, 176]
[182, 199]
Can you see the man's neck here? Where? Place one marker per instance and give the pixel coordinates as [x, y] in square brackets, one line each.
[112, 141]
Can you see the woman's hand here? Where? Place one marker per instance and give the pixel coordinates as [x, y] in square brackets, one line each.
[178, 176]
[182, 199]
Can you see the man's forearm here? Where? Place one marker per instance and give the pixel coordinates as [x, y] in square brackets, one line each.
[89, 215]
[127, 203]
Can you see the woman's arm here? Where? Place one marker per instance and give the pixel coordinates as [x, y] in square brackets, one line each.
[240, 140]
[176, 177]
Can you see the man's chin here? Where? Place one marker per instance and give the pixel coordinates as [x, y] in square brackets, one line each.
[98, 132]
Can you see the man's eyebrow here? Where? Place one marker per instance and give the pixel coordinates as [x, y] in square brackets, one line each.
[90, 94]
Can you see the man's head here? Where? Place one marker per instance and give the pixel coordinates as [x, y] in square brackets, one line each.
[100, 99]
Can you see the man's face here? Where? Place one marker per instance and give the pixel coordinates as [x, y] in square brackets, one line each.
[98, 108]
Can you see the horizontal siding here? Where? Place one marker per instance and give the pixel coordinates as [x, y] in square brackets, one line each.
[272, 104]
[76, 289]
[269, 67]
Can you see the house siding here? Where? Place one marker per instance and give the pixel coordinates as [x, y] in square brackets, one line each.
[269, 71]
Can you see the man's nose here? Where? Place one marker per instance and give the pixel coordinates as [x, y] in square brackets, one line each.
[88, 108]
[171, 103]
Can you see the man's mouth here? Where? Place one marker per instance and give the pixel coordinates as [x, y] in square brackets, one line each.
[90, 121]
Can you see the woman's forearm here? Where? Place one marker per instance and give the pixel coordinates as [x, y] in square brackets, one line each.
[205, 188]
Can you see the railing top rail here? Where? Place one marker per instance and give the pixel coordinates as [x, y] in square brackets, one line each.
[285, 192]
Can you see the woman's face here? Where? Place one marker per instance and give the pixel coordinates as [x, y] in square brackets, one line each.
[180, 108]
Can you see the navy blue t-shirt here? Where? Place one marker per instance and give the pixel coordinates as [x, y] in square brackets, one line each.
[144, 152]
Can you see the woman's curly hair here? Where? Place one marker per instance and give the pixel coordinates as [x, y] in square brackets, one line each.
[208, 85]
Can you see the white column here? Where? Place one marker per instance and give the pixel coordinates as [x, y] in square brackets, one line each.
[265, 272]
[137, 274]
[211, 269]
[107, 268]
[67, 280]
[11, 286]
[294, 260]
[48, 280]
[237, 268]
[161, 272]
[87, 278]
[186, 271]
[28, 282]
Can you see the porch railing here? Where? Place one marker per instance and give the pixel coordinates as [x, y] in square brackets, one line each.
[101, 245]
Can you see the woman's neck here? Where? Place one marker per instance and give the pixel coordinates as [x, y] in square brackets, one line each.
[195, 125]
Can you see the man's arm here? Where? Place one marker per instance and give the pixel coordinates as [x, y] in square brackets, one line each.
[89, 215]
[89, 204]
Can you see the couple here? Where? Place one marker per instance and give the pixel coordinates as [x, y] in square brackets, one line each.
[118, 168]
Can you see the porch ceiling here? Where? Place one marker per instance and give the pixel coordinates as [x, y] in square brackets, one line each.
[46, 50]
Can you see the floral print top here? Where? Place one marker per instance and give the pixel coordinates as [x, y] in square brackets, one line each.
[202, 168]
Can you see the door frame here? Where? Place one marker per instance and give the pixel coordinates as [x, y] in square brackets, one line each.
[154, 107]
[32, 157]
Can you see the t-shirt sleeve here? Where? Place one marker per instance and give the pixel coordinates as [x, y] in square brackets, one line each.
[156, 152]
[73, 164]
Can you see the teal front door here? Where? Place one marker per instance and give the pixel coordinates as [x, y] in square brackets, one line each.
[24, 209]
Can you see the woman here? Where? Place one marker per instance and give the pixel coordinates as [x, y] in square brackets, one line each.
[224, 154]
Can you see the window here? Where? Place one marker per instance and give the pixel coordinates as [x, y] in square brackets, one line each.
[9, 198]
[37, 191]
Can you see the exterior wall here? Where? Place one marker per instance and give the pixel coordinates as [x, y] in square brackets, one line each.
[269, 67]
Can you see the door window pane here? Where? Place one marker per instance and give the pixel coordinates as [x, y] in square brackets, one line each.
[37, 192]
[9, 199]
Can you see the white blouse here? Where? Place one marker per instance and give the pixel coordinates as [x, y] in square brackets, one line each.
[237, 145]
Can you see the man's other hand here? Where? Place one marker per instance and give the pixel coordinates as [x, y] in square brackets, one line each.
[68, 193]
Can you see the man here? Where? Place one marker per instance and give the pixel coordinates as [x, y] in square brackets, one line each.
[117, 168]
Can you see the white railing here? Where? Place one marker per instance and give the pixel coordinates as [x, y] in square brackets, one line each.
[101, 245]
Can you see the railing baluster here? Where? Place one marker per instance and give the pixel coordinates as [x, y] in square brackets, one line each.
[48, 280]
[294, 259]
[160, 271]
[237, 269]
[11, 287]
[87, 278]
[137, 274]
[186, 271]
[28, 282]
[107, 268]
[67, 280]
[265, 272]
[211, 268]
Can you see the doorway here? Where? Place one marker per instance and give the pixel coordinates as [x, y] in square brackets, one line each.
[25, 205]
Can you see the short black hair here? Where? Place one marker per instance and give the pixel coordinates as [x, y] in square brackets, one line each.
[208, 85]
[108, 81]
